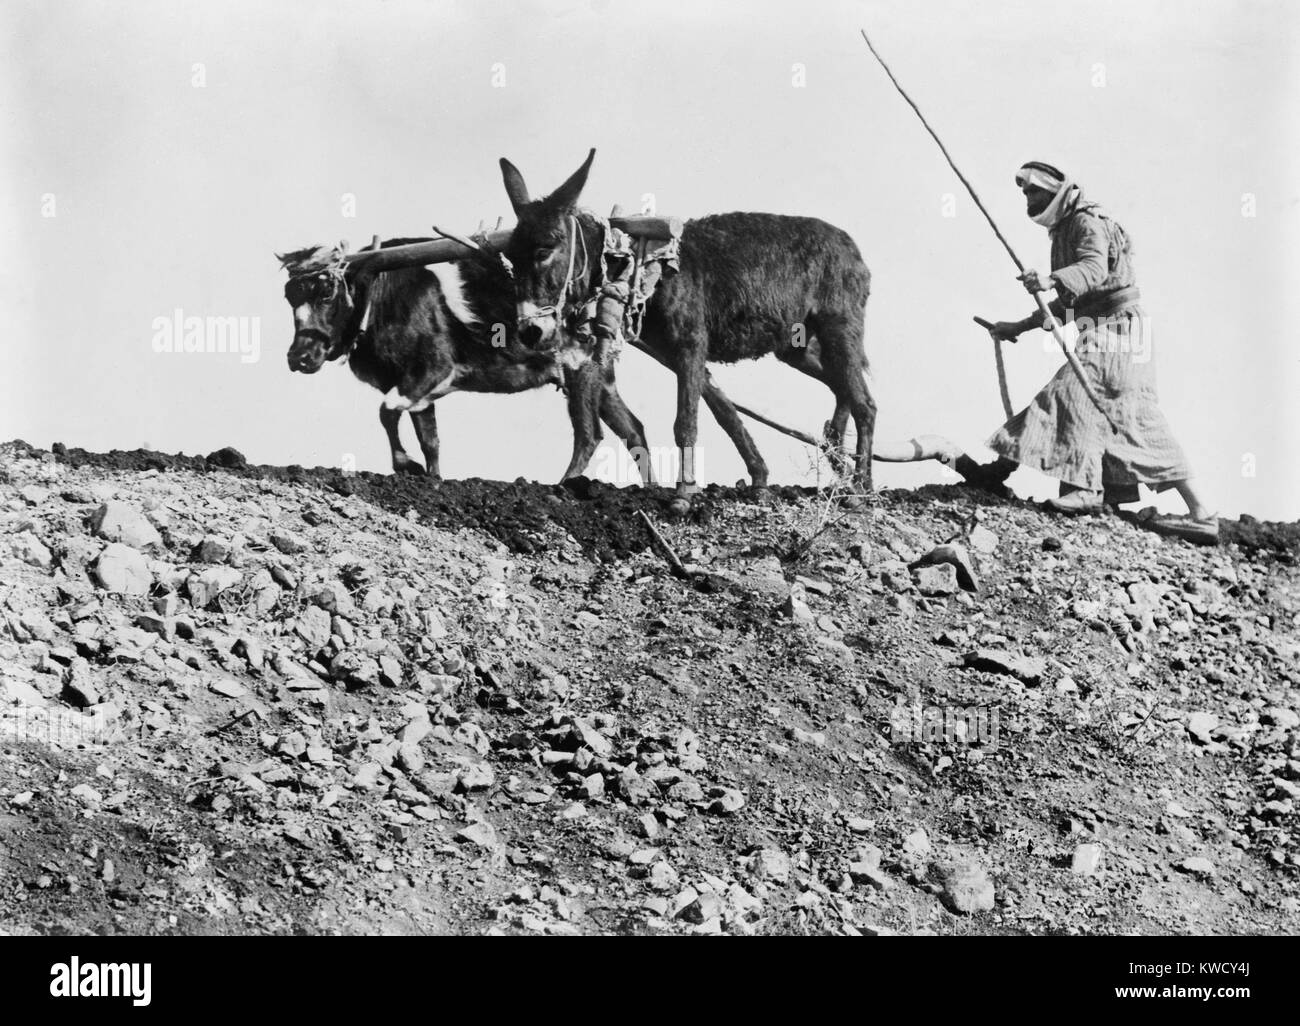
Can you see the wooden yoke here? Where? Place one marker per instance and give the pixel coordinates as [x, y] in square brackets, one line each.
[444, 250]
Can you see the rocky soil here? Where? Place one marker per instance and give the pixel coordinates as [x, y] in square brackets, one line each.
[240, 699]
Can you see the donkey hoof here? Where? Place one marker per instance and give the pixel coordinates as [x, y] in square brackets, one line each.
[407, 466]
[679, 507]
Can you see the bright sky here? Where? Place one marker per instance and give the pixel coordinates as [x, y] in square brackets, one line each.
[171, 185]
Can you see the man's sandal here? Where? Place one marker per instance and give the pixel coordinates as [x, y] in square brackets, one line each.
[1080, 501]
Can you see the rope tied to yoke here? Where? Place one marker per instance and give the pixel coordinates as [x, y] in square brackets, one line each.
[632, 270]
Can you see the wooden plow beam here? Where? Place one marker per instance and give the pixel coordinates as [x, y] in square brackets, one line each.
[913, 450]
[454, 247]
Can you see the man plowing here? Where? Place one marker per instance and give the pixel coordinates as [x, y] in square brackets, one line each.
[1099, 457]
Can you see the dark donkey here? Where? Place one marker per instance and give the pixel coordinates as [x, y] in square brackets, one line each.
[749, 285]
[432, 334]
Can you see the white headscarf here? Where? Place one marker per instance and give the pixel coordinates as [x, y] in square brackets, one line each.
[1044, 176]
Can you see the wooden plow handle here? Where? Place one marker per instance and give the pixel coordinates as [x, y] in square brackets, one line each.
[1001, 365]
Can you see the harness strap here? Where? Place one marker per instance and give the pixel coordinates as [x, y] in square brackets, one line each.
[611, 307]
[556, 309]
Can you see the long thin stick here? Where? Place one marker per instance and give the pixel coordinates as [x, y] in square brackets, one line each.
[792, 432]
[1039, 297]
[665, 550]
[807, 439]
[956, 170]
[467, 243]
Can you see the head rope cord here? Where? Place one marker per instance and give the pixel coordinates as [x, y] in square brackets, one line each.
[557, 308]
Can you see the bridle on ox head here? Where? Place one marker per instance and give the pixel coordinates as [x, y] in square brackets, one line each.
[557, 308]
[324, 285]
[312, 287]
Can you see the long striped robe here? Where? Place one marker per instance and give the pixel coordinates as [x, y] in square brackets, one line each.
[1061, 432]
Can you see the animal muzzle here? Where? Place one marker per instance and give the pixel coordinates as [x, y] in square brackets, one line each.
[537, 325]
[308, 352]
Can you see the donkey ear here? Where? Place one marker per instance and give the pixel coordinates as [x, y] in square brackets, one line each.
[515, 187]
[567, 194]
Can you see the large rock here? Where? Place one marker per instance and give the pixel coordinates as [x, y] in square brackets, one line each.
[769, 864]
[1197, 866]
[205, 588]
[14, 690]
[37, 624]
[210, 549]
[916, 845]
[117, 521]
[123, 570]
[1029, 669]
[1280, 716]
[954, 556]
[31, 550]
[1087, 860]
[1199, 725]
[79, 686]
[588, 736]
[288, 542]
[475, 776]
[795, 607]
[936, 580]
[266, 593]
[314, 627]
